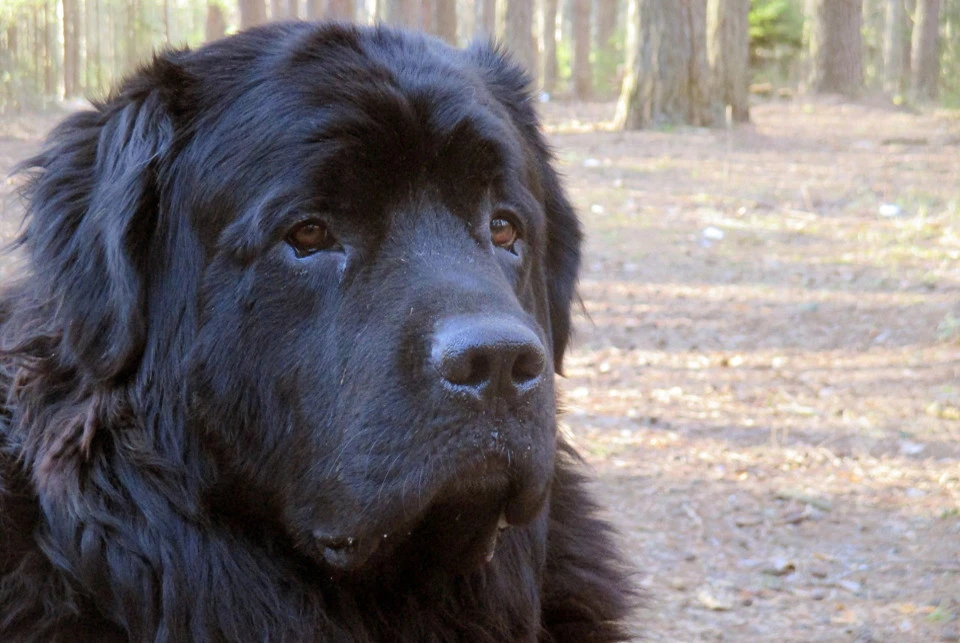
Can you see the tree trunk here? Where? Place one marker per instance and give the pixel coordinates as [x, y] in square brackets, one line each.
[216, 24]
[925, 57]
[894, 32]
[252, 13]
[338, 10]
[872, 34]
[50, 47]
[94, 34]
[403, 13]
[34, 33]
[486, 26]
[806, 57]
[667, 76]
[699, 102]
[166, 21]
[549, 31]
[519, 33]
[132, 36]
[836, 47]
[446, 20]
[729, 54]
[428, 16]
[582, 72]
[606, 11]
[71, 49]
[910, 8]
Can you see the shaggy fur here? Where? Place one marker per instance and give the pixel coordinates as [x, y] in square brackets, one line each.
[208, 435]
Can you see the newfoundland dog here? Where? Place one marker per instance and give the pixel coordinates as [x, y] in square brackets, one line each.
[281, 364]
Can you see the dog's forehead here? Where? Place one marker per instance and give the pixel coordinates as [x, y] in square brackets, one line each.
[311, 78]
[415, 93]
[358, 114]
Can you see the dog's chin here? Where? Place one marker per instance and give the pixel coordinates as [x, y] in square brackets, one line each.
[458, 532]
[457, 537]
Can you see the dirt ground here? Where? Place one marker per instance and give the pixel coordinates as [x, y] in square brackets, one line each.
[765, 376]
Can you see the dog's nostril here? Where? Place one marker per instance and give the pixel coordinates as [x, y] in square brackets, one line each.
[488, 357]
[528, 367]
[464, 368]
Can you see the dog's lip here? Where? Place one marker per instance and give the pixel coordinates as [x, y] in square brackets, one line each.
[347, 554]
[485, 491]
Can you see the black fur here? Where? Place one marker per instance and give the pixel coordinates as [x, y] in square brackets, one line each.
[191, 410]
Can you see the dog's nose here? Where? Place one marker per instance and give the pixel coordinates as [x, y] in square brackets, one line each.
[489, 358]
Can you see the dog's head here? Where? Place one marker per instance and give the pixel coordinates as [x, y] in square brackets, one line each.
[344, 253]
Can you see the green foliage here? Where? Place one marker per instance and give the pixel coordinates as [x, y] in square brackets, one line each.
[564, 60]
[607, 62]
[950, 54]
[776, 26]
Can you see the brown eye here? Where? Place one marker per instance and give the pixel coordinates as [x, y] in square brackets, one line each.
[310, 237]
[503, 234]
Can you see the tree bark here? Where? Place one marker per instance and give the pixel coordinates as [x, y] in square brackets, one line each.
[71, 49]
[729, 54]
[836, 47]
[402, 13]
[519, 33]
[252, 13]
[428, 16]
[606, 12]
[486, 14]
[446, 20]
[549, 31]
[93, 37]
[910, 9]
[667, 76]
[216, 23]
[894, 32]
[699, 101]
[167, 31]
[925, 56]
[50, 47]
[639, 94]
[339, 10]
[582, 71]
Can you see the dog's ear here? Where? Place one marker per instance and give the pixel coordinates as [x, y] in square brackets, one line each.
[511, 86]
[564, 238]
[91, 208]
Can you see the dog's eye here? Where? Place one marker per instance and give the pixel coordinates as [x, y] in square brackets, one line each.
[310, 237]
[503, 234]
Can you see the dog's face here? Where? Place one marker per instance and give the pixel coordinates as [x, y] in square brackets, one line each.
[362, 233]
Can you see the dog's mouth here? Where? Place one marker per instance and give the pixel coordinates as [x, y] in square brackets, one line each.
[459, 530]
[459, 547]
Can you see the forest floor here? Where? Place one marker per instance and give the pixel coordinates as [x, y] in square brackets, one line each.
[766, 375]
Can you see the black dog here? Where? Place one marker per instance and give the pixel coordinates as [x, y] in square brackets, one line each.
[281, 368]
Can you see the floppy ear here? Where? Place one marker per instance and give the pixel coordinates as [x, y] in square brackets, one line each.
[510, 85]
[564, 238]
[91, 210]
